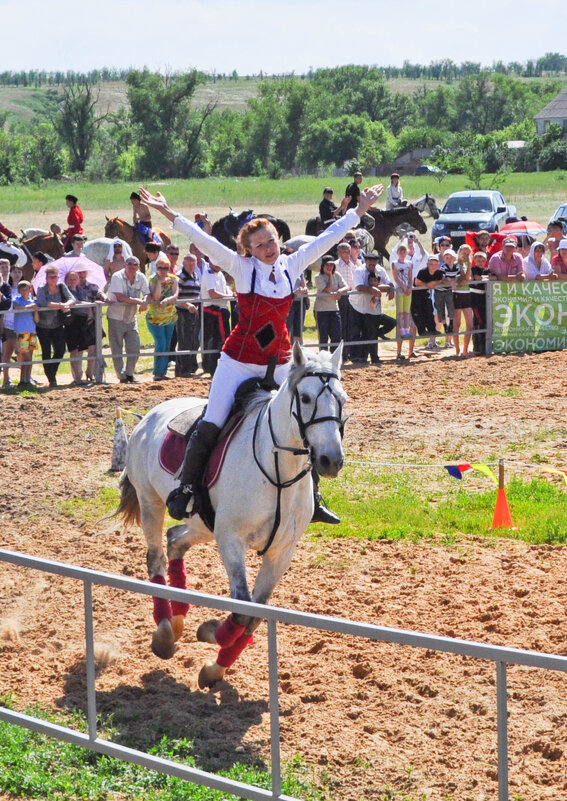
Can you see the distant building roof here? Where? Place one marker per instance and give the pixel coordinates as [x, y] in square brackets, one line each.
[557, 107]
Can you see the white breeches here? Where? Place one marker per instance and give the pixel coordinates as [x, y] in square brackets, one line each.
[5, 247]
[226, 380]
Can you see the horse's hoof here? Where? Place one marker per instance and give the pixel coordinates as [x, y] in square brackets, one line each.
[210, 674]
[177, 622]
[163, 641]
[206, 631]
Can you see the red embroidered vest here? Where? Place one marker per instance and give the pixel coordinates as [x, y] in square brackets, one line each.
[262, 328]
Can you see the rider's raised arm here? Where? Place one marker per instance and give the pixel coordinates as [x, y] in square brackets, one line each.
[307, 254]
[226, 258]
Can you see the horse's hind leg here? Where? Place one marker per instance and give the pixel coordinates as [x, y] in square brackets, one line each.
[179, 540]
[152, 516]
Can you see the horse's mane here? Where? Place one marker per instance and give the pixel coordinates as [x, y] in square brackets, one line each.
[396, 212]
[255, 400]
[320, 361]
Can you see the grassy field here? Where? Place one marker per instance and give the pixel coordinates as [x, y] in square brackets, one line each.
[527, 190]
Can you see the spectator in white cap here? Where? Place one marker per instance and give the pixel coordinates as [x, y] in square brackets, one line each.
[559, 261]
[421, 309]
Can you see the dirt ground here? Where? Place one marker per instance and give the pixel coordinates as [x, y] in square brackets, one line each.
[366, 717]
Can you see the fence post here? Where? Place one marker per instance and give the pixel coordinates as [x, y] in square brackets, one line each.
[274, 708]
[90, 659]
[489, 316]
[502, 722]
[99, 360]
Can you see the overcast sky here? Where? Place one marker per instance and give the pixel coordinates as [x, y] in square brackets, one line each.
[273, 35]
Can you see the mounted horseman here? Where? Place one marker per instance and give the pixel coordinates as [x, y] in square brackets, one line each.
[264, 282]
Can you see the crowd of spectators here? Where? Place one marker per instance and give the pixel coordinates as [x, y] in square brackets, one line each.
[190, 305]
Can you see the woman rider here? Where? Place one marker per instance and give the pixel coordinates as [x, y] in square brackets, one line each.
[264, 282]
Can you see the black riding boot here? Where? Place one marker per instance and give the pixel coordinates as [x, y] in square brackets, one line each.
[198, 451]
[320, 512]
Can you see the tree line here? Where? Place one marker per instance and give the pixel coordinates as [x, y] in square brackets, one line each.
[441, 70]
[335, 117]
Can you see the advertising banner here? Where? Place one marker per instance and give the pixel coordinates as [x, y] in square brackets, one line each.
[529, 316]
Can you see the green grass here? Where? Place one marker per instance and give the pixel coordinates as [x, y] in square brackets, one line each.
[88, 509]
[396, 504]
[483, 391]
[519, 188]
[36, 766]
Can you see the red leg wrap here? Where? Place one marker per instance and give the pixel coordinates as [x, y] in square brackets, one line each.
[178, 578]
[228, 656]
[162, 607]
[227, 633]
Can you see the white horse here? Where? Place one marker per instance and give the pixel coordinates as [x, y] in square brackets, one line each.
[265, 478]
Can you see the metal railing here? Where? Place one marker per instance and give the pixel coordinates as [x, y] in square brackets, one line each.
[102, 352]
[501, 656]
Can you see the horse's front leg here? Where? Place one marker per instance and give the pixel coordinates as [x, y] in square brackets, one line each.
[179, 539]
[230, 634]
[237, 631]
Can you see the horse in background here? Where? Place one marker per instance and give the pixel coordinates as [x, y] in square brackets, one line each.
[386, 223]
[282, 436]
[226, 229]
[48, 243]
[116, 227]
[427, 203]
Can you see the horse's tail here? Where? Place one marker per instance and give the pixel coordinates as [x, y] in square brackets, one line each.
[129, 506]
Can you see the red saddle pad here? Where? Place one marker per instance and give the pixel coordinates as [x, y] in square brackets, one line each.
[173, 450]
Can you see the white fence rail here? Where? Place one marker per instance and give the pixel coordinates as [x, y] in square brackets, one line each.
[502, 657]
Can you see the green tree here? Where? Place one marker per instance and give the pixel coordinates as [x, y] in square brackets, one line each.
[77, 120]
[168, 130]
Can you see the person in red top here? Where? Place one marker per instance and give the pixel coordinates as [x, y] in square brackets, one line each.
[74, 221]
[489, 243]
[264, 281]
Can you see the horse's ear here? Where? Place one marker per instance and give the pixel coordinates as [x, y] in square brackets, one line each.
[298, 355]
[337, 359]
[106, 218]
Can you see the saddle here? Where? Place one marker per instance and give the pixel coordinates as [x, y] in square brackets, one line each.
[180, 428]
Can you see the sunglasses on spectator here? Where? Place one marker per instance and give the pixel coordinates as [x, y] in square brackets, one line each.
[163, 268]
[173, 252]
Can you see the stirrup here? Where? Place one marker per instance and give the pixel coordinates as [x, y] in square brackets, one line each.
[323, 515]
[178, 500]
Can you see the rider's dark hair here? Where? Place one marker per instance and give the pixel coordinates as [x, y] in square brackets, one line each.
[134, 196]
[72, 198]
[40, 256]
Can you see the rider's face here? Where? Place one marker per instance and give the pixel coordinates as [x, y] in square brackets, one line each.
[265, 246]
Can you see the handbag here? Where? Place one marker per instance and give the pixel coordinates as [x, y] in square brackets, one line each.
[64, 317]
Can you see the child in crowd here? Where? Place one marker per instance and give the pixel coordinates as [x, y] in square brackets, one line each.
[402, 274]
[479, 275]
[462, 299]
[444, 299]
[24, 326]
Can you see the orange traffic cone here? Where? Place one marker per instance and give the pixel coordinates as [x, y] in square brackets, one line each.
[502, 517]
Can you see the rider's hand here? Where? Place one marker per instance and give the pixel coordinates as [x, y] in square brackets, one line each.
[368, 197]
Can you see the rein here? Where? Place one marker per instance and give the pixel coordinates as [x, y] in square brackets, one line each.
[325, 378]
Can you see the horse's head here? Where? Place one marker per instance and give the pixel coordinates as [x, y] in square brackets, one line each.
[414, 218]
[114, 227]
[432, 206]
[317, 406]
